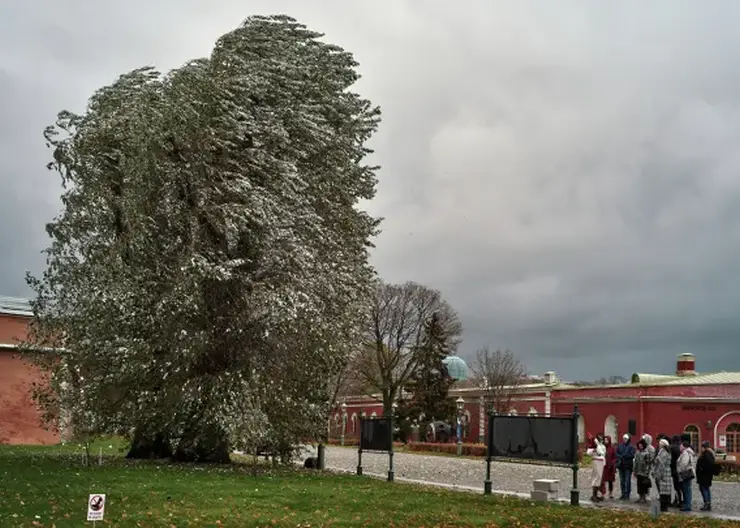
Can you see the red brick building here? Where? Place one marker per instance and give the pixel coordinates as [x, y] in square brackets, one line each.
[707, 406]
[19, 417]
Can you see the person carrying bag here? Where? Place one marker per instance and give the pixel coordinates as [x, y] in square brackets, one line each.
[686, 473]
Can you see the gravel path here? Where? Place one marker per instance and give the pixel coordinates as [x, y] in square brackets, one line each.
[510, 477]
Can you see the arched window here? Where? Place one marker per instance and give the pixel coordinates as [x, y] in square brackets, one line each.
[532, 411]
[693, 432]
[581, 429]
[466, 424]
[732, 435]
[374, 415]
[513, 412]
[354, 422]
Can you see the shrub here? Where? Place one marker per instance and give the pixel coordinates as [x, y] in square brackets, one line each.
[729, 467]
[449, 448]
[347, 441]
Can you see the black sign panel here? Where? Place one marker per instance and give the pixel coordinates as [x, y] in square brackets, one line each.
[533, 438]
[375, 434]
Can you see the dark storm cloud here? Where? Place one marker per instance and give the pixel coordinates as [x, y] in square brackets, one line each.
[566, 173]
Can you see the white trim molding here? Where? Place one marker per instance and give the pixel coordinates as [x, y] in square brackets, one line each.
[719, 421]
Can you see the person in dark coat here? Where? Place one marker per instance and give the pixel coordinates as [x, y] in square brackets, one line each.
[625, 465]
[643, 460]
[610, 468]
[705, 474]
[675, 453]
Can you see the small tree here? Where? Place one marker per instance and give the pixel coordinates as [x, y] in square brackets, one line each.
[396, 331]
[500, 374]
[611, 380]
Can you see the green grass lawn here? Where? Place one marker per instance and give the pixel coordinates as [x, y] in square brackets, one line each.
[49, 487]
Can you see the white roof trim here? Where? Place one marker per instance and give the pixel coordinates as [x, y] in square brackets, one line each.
[15, 306]
[9, 346]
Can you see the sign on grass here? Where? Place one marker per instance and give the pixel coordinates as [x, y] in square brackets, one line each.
[96, 507]
[375, 434]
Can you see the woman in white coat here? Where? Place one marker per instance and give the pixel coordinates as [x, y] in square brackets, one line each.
[597, 452]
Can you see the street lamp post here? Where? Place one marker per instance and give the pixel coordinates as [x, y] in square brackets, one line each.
[344, 422]
[460, 405]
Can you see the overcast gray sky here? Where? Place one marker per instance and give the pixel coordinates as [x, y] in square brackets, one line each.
[566, 173]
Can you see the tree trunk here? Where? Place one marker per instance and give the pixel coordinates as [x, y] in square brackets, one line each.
[149, 446]
[204, 445]
[389, 396]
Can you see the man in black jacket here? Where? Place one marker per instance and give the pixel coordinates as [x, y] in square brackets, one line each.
[675, 453]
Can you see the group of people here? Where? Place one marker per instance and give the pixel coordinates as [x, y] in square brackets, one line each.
[673, 466]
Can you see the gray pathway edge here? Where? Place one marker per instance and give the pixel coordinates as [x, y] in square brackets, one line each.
[455, 474]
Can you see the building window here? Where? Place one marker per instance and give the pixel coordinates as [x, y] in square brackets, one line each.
[354, 422]
[532, 411]
[374, 415]
[732, 435]
[693, 432]
[513, 412]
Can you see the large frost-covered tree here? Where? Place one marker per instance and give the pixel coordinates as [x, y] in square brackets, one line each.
[208, 274]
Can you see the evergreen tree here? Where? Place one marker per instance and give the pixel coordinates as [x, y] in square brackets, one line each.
[209, 271]
[431, 382]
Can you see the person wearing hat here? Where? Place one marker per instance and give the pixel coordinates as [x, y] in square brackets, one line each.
[705, 474]
[625, 465]
[661, 470]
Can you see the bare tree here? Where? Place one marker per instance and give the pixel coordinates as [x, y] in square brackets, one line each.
[500, 374]
[611, 380]
[395, 332]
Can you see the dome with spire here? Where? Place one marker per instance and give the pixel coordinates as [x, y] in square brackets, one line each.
[456, 367]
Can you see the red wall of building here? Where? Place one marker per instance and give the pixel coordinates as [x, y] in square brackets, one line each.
[12, 329]
[659, 409]
[20, 420]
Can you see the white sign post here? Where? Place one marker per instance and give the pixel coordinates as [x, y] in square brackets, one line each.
[96, 507]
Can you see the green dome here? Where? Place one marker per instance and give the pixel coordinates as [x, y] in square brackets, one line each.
[456, 367]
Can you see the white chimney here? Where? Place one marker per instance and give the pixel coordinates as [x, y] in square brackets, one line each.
[550, 378]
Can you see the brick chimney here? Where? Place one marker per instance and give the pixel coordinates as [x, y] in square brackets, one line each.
[686, 365]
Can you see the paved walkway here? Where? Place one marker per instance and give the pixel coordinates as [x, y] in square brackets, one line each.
[467, 475]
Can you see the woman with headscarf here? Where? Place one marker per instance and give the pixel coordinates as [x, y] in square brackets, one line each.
[610, 468]
[642, 471]
[597, 452]
[686, 473]
[662, 473]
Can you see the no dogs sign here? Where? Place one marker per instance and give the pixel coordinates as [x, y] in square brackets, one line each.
[96, 507]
